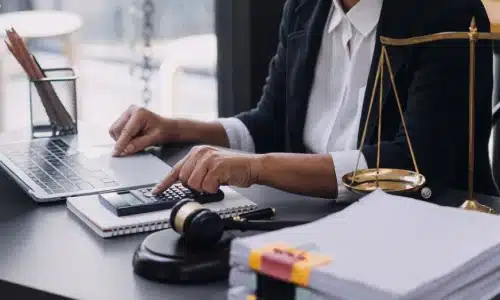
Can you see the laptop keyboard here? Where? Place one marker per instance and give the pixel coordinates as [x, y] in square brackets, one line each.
[50, 165]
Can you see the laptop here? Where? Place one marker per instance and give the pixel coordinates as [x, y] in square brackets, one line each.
[53, 169]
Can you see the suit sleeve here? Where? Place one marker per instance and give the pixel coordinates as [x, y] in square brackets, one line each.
[266, 122]
[437, 109]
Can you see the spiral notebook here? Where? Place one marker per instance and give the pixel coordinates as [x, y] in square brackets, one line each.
[106, 224]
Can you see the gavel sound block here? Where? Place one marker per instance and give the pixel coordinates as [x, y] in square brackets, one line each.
[197, 249]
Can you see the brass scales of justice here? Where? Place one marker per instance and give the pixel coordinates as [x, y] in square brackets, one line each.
[398, 181]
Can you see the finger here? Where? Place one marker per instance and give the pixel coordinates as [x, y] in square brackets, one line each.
[187, 169]
[195, 155]
[211, 182]
[196, 179]
[171, 178]
[130, 130]
[138, 144]
[117, 127]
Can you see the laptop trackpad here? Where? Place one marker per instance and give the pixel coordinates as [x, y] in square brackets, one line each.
[139, 169]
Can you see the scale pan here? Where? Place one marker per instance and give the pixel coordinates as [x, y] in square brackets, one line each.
[393, 181]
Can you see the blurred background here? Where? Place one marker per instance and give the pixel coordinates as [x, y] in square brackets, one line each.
[185, 58]
[118, 48]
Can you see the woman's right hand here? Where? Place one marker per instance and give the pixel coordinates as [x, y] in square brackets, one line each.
[138, 128]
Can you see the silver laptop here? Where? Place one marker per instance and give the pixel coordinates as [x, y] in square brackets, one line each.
[51, 169]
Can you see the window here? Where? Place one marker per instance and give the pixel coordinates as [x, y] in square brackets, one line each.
[109, 56]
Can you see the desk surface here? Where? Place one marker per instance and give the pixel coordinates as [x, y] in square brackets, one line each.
[45, 248]
[493, 9]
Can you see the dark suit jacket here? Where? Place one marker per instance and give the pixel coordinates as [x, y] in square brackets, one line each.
[432, 81]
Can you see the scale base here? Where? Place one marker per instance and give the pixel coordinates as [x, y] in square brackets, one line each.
[165, 257]
[476, 206]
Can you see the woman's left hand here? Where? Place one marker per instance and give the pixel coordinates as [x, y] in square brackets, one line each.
[206, 168]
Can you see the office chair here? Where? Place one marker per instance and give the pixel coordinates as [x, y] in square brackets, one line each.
[189, 61]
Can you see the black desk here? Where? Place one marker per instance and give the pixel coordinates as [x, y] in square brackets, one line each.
[45, 248]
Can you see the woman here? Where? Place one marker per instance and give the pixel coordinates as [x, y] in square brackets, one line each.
[305, 133]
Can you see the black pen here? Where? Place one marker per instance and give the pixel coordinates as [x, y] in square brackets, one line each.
[259, 214]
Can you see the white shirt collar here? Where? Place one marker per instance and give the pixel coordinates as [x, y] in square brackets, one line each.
[363, 16]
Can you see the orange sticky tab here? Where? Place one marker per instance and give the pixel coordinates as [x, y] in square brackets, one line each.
[302, 269]
[286, 263]
[254, 261]
[251, 297]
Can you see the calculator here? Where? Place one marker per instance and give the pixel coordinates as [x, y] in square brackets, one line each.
[143, 201]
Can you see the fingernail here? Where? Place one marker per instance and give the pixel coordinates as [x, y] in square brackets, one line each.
[154, 190]
[115, 149]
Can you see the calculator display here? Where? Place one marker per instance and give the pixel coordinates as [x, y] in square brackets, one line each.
[130, 199]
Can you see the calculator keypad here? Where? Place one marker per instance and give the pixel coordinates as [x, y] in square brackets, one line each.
[175, 193]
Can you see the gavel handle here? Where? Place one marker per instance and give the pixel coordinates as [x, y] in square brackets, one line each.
[261, 225]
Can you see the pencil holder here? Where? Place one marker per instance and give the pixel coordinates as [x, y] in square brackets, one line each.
[53, 103]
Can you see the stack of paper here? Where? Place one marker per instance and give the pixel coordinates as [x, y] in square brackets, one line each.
[387, 247]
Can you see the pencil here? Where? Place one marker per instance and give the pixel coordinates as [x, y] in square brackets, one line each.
[14, 48]
[60, 110]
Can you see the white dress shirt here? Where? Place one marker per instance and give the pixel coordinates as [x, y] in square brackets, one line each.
[337, 94]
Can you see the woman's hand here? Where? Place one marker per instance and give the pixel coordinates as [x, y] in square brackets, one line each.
[206, 168]
[138, 128]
